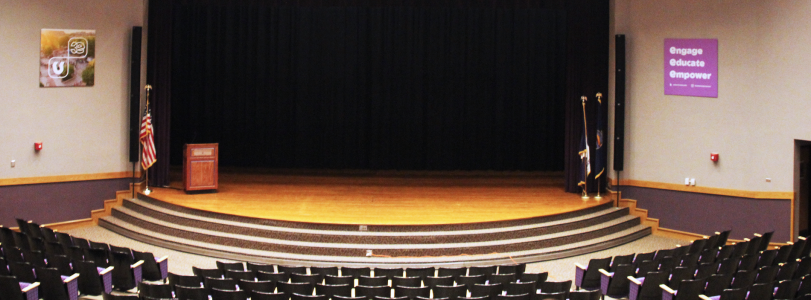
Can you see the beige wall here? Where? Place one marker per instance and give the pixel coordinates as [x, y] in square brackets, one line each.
[764, 95]
[84, 130]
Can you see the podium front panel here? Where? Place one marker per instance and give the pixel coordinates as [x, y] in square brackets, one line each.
[200, 167]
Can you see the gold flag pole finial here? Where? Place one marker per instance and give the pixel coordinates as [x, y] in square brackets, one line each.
[148, 88]
[600, 102]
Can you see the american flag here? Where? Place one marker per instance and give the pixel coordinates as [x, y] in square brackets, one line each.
[147, 141]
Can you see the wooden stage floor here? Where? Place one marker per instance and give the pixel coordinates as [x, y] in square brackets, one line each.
[378, 198]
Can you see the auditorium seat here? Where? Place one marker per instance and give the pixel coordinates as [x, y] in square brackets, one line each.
[331, 290]
[412, 292]
[647, 288]
[451, 292]
[389, 272]
[433, 281]
[621, 260]
[502, 278]
[154, 269]
[348, 280]
[470, 280]
[413, 281]
[61, 263]
[324, 271]
[224, 266]
[369, 292]
[728, 294]
[589, 277]
[257, 295]
[308, 297]
[126, 271]
[678, 274]
[513, 297]
[717, 283]
[289, 270]
[312, 279]
[355, 272]
[485, 289]
[421, 272]
[219, 283]
[537, 277]
[275, 277]
[518, 288]
[266, 286]
[203, 273]
[516, 269]
[240, 275]
[373, 280]
[13, 289]
[786, 271]
[185, 280]
[256, 267]
[23, 271]
[585, 295]
[615, 284]
[640, 257]
[190, 292]
[761, 291]
[94, 280]
[454, 272]
[288, 288]
[54, 286]
[48, 234]
[155, 290]
[689, 289]
[218, 294]
[482, 270]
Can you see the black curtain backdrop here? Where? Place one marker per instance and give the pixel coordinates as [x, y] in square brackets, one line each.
[408, 85]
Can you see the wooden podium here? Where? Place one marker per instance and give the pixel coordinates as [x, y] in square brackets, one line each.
[200, 167]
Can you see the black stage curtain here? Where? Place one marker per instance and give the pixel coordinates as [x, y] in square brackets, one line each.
[408, 85]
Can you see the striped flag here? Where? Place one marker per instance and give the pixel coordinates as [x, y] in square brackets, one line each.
[147, 141]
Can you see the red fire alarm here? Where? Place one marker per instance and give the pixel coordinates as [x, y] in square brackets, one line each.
[714, 157]
[38, 146]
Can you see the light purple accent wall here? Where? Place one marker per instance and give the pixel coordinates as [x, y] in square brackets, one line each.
[56, 202]
[705, 213]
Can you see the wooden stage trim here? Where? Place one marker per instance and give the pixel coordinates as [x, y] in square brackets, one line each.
[383, 199]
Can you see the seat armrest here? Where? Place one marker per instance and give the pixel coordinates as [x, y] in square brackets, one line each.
[801, 238]
[71, 278]
[705, 237]
[678, 245]
[160, 260]
[137, 264]
[790, 242]
[579, 266]
[634, 280]
[703, 297]
[717, 232]
[604, 272]
[31, 287]
[667, 289]
[758, 235]
[746, 239]
[108, 270]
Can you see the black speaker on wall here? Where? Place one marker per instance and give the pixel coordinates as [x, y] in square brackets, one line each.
[619, 103]
[135, 92]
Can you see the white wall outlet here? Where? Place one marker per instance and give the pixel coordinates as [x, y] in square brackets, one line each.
[363, 228]
[687, 181]
[768, 180]
[692, 181]
[369, 253]
[13, 163]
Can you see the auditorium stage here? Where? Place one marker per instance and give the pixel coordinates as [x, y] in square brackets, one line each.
[381, 198]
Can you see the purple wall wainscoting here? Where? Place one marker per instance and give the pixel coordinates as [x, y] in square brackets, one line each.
[706, 213]
[56, 202]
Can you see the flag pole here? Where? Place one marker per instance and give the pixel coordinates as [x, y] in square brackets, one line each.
[585, 130]
[148, 88]
[599, 102]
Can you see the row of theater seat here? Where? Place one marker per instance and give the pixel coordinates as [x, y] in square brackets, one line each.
[37, 262]
[238, 281]
[705, 269]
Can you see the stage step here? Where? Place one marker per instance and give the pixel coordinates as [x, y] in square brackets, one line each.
[271, 241]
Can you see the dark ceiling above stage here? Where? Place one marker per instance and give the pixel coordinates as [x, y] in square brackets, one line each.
[418, 85]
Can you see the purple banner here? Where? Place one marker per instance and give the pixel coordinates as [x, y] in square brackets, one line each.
[691, 67]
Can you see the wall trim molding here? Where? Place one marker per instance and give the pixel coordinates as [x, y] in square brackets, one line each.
[704, 190]
[66, 178]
